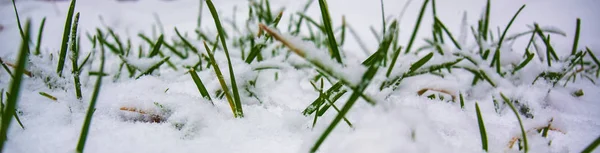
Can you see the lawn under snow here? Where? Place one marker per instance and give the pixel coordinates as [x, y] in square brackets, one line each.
[401, 121]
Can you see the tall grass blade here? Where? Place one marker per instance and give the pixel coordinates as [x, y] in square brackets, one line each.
[484, 144]
[18, 20]
[65, 39]
[222, 35]
[200, 85]
[524, 134]
[75, 57]
[486, 21]
[15, 86]
[92, 107]
[39, 38]
[496, 58]
[412, 39]
[217, 70]
[335, 51]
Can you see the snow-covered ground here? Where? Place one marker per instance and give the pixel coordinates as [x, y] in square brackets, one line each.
[403, 122]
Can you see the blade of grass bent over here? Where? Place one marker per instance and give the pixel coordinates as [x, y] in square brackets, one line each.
[512, 107]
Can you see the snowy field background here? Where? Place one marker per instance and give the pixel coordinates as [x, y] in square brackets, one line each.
[403, 122]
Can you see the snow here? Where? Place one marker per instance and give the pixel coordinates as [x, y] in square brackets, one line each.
[400, 122]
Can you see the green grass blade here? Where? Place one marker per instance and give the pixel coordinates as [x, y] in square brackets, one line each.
[48, 96]
[335, 51]
[117, 41]
[382, 17]
[221, 81]
[496, 58]
[39, 38]
[18, 20]
[15, 86]
[366, 79]
[420, 63]
[254, 51]
[550, 53]
[462, 100]
[156, 46]
[524, 63]
[222, 35]
[92, 107]
[484, 144]
[321, 99]
[316, 103]
[592, 146]
[594, 58]
[439, 22]
[186, 43]
[153, 67]
[6, 68]
[200, 85]
[412, 39]
[524, 134]
[576, 39]
[488, 79]
[486, 21]
[75, 57]
[19, 120]
[85, 60]
[172, 49]
[65, 39]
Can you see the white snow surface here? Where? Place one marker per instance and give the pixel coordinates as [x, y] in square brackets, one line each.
[403, 122]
